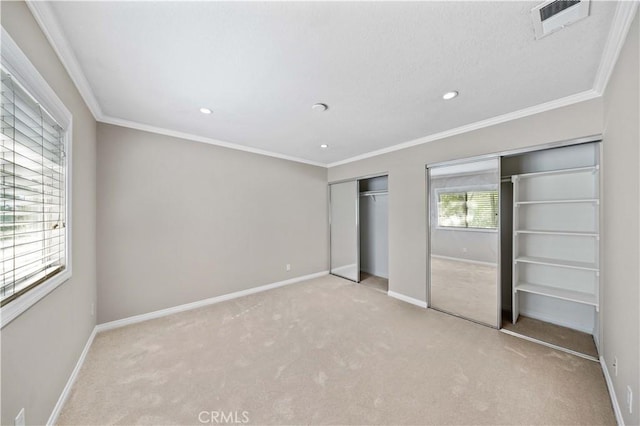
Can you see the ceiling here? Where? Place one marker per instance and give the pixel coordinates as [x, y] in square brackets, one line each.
[381, 67]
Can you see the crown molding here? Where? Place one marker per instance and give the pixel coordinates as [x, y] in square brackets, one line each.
[188, 136]
[547, 106]
[624, 14]
[46, 19]
[622, 19]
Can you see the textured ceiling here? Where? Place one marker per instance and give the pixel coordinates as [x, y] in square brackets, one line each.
[382, 67]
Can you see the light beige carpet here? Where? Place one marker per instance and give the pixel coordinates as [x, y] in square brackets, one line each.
[560, 336]
[465, 289]
[329, 351]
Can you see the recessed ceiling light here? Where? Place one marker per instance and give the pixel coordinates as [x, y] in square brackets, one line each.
[449, 95]
[324, 145]
[320, 107]
[205, 110]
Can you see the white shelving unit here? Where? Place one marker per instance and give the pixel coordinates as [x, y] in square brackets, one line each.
[556, 236]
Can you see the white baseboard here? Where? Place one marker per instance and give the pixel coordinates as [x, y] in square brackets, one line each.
[612, 393]
[200, 303]
[53, 418]
[407, 299]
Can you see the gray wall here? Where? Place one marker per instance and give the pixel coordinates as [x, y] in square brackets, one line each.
[41, 347]
[374, 235]
[180, 221]
[621, 205]
[407, 189]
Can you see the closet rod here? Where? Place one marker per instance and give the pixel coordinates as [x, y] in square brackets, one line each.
[373, 193]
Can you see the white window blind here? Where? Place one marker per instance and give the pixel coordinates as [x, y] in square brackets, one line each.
[468, 209]
[32, 204]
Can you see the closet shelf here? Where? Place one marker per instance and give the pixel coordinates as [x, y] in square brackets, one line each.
[558, 293]
[571, 264]
[592, 169]
[551, 232]
[574, 201]
[565, 205]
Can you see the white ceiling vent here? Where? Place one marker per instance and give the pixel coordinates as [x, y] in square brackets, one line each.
[553, 15]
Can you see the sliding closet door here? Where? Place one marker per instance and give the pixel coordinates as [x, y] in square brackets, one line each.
[344, 230]
[464, 237]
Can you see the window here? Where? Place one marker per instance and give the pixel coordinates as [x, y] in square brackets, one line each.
[32, 209]
[468, 209]
[35, 195]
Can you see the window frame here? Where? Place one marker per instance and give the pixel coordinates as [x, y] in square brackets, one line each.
[462, 189]
[16, 63]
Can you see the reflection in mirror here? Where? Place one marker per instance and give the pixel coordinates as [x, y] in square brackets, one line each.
[464, 225]
[344, 230]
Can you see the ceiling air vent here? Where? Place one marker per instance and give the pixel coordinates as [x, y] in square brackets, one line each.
[554, 15]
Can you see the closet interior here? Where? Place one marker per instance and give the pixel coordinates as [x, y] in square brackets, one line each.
[359, 237]
[374, 233]
[551, 246]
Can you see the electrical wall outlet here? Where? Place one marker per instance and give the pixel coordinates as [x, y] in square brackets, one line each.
[630, 399]
[287, 267]
[20, 418]
[615, 366]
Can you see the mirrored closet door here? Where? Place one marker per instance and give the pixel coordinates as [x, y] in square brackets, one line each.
[464, 235]
[343, 200]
